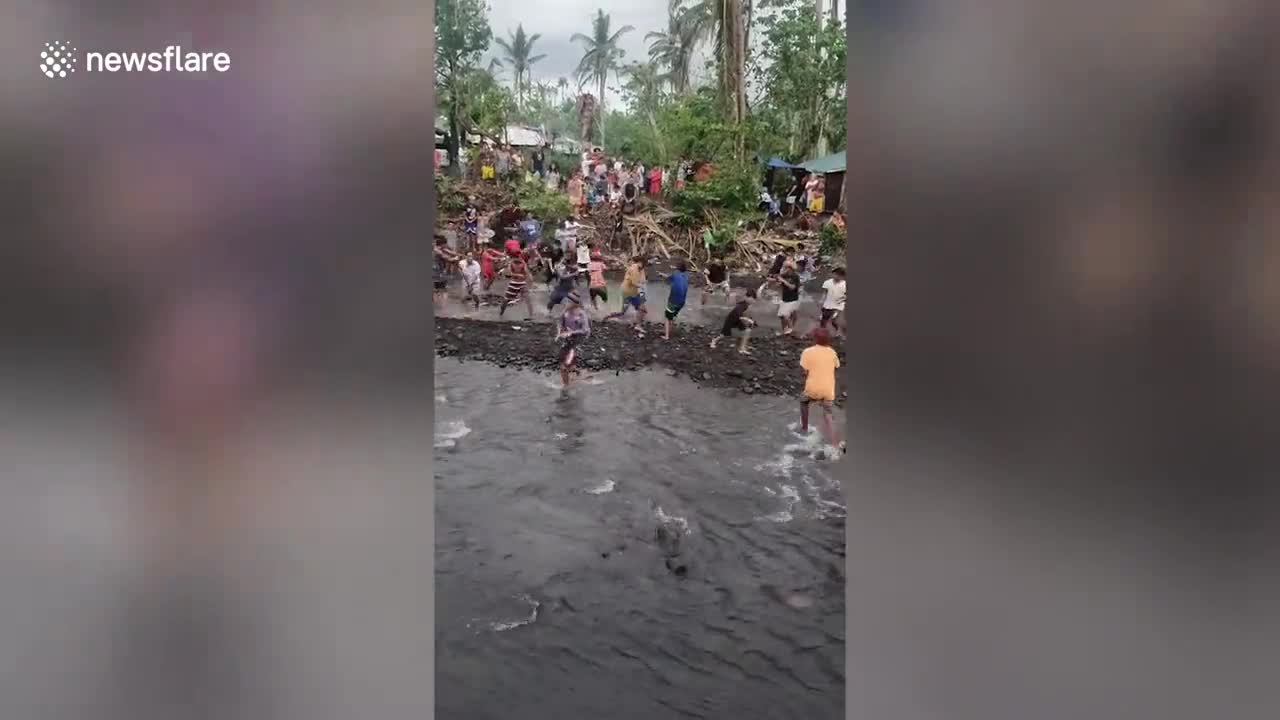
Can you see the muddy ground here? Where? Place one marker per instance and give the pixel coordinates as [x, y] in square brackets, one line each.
[771, 369]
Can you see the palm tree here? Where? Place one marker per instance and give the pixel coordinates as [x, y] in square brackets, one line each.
[562, 85]
[645, 82]
[674, 47]
[518, 49]
[727, 24]
[601, 55]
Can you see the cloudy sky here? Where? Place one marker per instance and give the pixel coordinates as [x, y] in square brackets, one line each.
[558, 20]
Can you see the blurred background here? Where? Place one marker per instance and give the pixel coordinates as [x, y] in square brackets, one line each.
[1063, 277]
[214, 365]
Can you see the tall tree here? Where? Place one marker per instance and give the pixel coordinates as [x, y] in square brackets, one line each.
[462, 34]
[518, 49]
[644, 87]
[726, 23]
[601, 55]
[674, 47]
[562, 85]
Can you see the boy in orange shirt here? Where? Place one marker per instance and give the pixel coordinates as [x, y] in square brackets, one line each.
[820, 362]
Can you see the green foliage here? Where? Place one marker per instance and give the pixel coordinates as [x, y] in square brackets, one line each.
[551, 208]
[801, 70]
[831, 240]
[730, 196]
[450, 200]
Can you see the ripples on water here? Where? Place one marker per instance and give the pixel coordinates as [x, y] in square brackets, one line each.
[553, 599]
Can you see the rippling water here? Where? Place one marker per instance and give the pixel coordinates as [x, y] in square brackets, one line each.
[555, 601]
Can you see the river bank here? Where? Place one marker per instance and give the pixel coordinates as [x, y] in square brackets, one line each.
[771, 369]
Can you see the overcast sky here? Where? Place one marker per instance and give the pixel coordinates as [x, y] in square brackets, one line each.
[558, 20]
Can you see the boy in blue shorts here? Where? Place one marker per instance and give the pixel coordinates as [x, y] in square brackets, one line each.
[679, 281]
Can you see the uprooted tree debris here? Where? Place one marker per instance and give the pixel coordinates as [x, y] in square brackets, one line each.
[654, 230]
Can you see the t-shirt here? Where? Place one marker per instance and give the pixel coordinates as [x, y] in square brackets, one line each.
[575, 322]
[716, 272]
[471, 272]
[471, 214]
[537, 161]
[584, 256]
[791, 294]
[596, 270]
[820, 362]
[633, 282]
[567, 274]
[835, 295]
[679, 288]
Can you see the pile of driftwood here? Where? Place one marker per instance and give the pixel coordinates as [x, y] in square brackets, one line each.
[651, 233]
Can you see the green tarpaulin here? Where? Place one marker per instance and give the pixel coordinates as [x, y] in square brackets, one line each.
[833, 163]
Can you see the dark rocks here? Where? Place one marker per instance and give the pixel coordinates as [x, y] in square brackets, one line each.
[613, 347]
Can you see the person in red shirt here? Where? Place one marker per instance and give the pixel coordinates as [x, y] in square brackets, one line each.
[655, 181]
[513, 247]
[489, 265]
[518, 275]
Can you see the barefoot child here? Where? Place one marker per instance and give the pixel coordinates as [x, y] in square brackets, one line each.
[679, 281]
[471, 223]
[574, 327]
[833, 301]
[471, 278]
[598, 289]
[517, 284]
[489, 260]
[790, 305]
[737, 321]
[566, 281]
[633, 293]
[717, 278]
[443, 257]
[820, 362]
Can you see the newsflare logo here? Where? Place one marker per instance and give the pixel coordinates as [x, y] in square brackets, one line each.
[60, 59]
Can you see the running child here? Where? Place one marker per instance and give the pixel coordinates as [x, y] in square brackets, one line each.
[583, 252]
[738, 322]
[790, 305]
[633, 285]
[717, 278]
[566, 282]
[833, 301]
[574, 327]
[679, 281]
[489, 260]
[471, 278]
[517, 285]
[442, 258]
[598, 288]
[820, 361]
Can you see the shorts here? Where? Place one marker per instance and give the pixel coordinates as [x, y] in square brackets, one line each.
[471, 287]
[738, 326]
[599, 292]
[515, 290]
[636, 301]
[823, 402]
[486, 172]
[559, 294]
[673, 310]
[723, 285]
[568, 350]
[828, 314]
[787, 309]
[471, 227]
[440, 284]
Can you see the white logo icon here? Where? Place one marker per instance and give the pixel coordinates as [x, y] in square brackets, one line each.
[57, 59]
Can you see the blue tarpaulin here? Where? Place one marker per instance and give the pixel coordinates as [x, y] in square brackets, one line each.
[777, 162]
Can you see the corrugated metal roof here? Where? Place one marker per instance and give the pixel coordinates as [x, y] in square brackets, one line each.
[832, 163]
[523, 136]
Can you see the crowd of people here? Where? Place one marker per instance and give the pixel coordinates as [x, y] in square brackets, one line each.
[514, 247]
